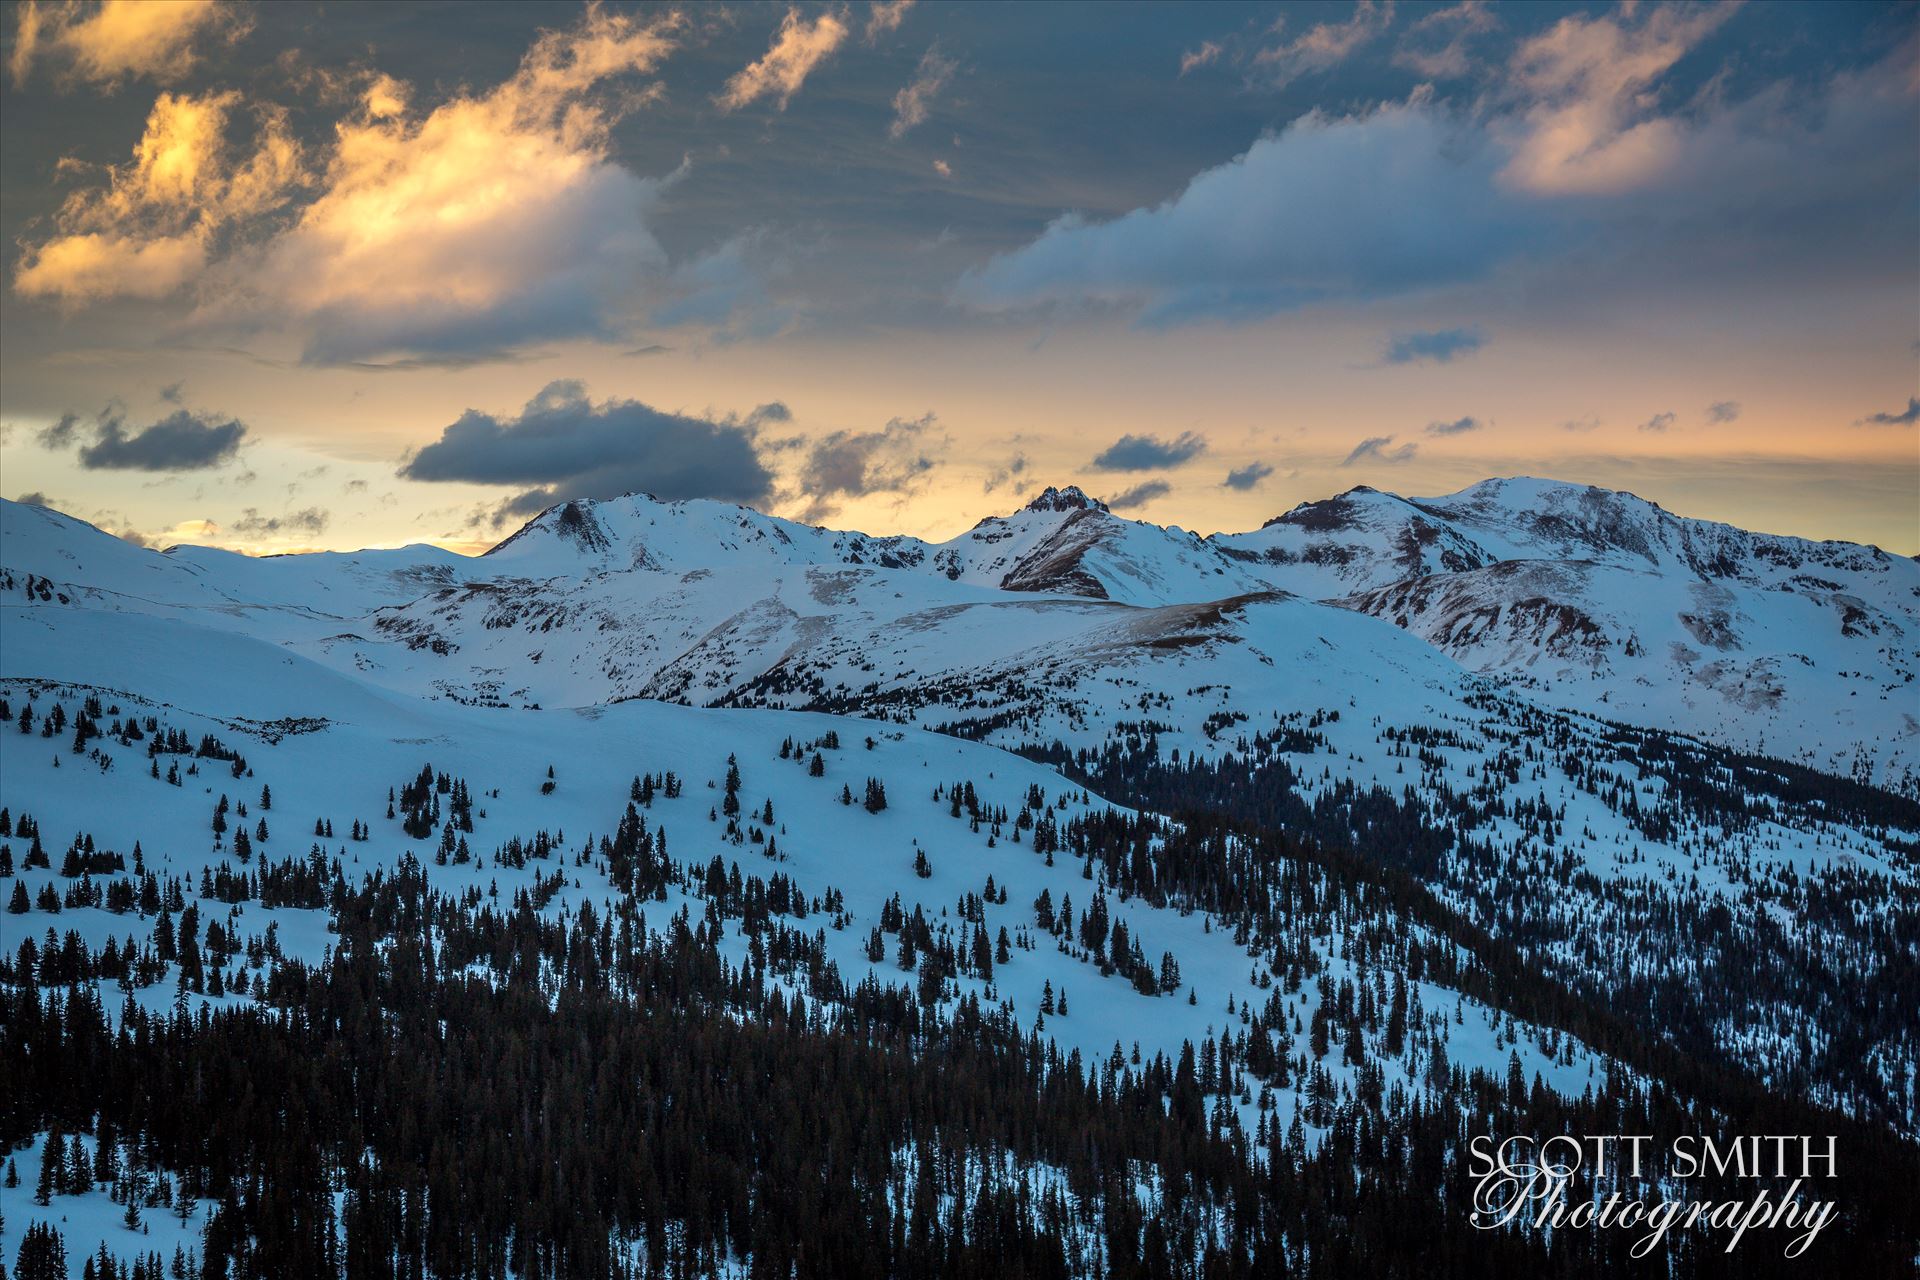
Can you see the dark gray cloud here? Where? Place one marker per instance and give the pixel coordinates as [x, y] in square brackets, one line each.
[1139, 496]
[1247, 477]
[1723, 411]
[1015, 467]
[61, 434]
[1458, 427]
[562, 446]
[858, 464]
[34, 498]
[311, 521]
[1440, 346]
[181, 441]
[1380, 449]
[1658, 423]
[1149, 453]
[1905, 418]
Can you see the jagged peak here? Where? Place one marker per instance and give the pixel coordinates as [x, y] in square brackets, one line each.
[1069, 498]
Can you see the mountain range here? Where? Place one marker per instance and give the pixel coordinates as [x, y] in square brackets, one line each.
[1620, 803]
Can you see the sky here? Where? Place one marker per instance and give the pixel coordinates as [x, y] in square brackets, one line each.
[294, 276]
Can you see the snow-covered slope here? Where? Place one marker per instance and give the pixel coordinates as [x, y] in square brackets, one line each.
[1441, 687]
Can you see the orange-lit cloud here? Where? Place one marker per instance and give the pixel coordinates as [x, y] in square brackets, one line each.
[490, 218]
[911, 104]
[1592, 127]
[119, 39]
[150, 230]
[431, 229]
[886, 16]
[797, 49]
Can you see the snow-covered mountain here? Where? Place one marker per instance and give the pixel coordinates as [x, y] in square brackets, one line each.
[1591, 732]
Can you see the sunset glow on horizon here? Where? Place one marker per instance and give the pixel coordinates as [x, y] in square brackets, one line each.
[290, 277]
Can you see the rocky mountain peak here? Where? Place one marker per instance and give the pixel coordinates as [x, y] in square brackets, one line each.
[1070, 498]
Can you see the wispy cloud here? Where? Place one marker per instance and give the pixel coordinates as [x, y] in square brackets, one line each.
[1723, 411]
[798, 48]
[885, 16]
[310, 521]
[1323, 45]
[1441, 346]
[1457, 427]
[1208, 53]
[1380, 449]
[1904, 418]
[121, 39]
[1436, 45]
[1139, 496]
[856, 464]
[1659, 423]
[1592, 124]
[911, 104]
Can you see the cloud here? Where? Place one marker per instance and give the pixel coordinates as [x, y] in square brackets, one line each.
[858, 464]
[311, 521]
[1580, 425]
[942, 168]
[562, 446]
[1208, 53]
[1350, 207]
[1574, 155]
[1440, 346]
[1591, 84]
[1149, 453]
[1721, 411]
[34, 498]
[1015, 467]
[1436, 45]
[494, 219]
[120, 39]
[1458, 427]
[1247, 477]
[886, 16]
[725, 291]
[160, 217]
[181, 441]
[1904, 418]
[1378, 449]
[1659, 423]
[62, 433]
[798, 48]
[1324, 45]
[1139, 496]
[910, 105]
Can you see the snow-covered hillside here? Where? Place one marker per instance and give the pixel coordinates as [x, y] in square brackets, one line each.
[1573, 597]
[1445, 769]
